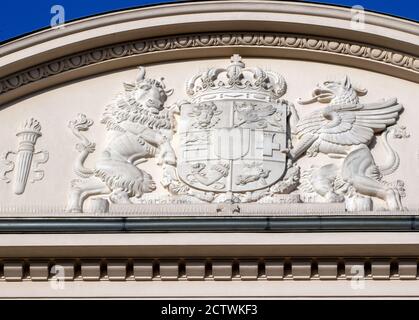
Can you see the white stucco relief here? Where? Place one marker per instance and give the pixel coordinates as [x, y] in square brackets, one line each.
[234, 133]
[138, 127]
[344, 130]
[24, 162]
[240, 141]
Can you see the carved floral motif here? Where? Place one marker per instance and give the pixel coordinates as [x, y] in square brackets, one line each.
[140, 47]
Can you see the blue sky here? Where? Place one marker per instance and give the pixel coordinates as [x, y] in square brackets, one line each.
[20, 17]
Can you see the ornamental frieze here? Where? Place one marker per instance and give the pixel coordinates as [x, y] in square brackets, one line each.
[95, 56]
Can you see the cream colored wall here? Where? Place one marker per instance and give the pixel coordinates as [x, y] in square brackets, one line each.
[212, 289]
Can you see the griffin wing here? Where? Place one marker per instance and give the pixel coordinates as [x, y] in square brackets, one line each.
[349, 124]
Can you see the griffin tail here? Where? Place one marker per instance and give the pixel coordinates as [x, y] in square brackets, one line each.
[393, 159]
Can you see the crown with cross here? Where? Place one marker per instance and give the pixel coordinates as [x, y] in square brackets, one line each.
[266, 85]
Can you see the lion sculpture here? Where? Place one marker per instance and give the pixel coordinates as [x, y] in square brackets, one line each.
[138, 127]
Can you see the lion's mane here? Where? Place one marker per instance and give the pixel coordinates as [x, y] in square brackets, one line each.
[126, 108]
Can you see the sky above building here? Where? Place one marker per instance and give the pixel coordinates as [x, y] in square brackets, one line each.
[21, 17]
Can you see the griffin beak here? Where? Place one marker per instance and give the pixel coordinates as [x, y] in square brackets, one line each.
[307, 101]
[320, 95]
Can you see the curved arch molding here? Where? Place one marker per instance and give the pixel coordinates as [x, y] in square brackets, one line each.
[207, 29]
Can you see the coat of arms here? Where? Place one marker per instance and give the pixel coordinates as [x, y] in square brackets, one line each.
[233, 133]
[237, 141]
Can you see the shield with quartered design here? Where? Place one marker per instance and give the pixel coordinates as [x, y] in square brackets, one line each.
[233, 133]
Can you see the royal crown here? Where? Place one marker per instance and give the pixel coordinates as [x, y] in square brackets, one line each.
[236, 79]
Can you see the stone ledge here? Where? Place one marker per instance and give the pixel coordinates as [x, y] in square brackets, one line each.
[257, 224]
[199, 210]
[200, 246]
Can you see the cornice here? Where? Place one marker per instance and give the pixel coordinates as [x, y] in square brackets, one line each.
[375, 58]
[193, 277]
[209, 244]
[261, 224]
[164, 33]
[206, 7]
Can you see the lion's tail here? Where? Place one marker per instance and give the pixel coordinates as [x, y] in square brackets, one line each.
[85, 147]
[79, 167]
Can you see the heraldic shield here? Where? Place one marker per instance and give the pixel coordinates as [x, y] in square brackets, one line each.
[232, 145]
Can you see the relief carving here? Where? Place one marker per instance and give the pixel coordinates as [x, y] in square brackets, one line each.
[234, 134]
[26, 160]
[262, 138]
[94, 56]
[240, 142]
[344, 130]
[261, 116]
[6, 166]
[253, 172]
[139, 127]
[204, 115]
[209, 176]
[85, 147]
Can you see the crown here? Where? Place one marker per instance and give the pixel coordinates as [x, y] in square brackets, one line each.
[255, 82]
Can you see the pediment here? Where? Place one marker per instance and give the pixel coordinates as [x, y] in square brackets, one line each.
[214, 123]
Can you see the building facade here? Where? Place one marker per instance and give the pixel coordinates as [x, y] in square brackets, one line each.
[211, 149]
